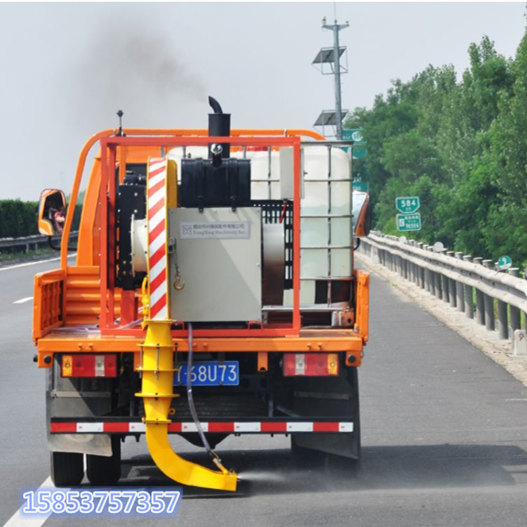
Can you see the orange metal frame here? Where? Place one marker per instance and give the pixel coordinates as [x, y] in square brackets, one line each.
[143, 140]
[109, 147]
[98, 217]
[84, 253]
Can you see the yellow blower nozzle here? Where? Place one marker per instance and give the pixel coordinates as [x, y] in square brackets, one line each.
[181, 470]
[157, 393]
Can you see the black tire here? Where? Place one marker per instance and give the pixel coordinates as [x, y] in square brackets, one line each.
[66, 468]
[103, 470]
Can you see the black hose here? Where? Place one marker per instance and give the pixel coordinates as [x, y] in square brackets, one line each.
[191, 405]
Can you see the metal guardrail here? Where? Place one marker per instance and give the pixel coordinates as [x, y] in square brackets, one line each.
[27, 243]
[474, 286]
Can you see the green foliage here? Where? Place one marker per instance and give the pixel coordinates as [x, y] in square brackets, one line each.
[18, 218]
[461, 146]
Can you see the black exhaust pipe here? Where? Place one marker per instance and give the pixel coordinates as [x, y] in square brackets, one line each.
[219, 126]
[219, 181]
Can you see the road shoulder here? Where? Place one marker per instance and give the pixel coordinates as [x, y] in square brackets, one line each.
[500, 351]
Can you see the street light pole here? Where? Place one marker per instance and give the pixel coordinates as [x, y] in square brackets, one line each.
[336, 60]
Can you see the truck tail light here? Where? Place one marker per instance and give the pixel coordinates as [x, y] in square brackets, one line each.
[311, 364]
[89, 365]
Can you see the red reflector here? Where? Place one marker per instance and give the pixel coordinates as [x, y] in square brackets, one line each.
[310, 364]
[89, 365]
[256, 149]
[221, 427]
[57, 428]
[325, 427]
[174, 427]
[115, 427]
[273, 427]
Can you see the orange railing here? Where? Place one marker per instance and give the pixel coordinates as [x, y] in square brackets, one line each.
[154, 132]
[48, 302]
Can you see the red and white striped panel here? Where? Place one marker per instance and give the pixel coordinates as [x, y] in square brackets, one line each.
[157, 238]
[229, 427]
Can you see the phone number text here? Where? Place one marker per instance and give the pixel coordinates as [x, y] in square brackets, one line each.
[105, 502]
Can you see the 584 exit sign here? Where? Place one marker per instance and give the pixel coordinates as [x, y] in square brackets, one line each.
[407, 204]
[409, 219]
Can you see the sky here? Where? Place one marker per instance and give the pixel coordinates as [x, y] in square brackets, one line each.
[66, 68]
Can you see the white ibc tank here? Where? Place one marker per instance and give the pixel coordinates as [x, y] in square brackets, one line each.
[326, 207]
[325, 227]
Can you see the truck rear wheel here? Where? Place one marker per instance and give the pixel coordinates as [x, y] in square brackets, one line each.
[104, 470]
[66, 468]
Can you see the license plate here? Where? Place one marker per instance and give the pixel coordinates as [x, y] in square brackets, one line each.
[214, 373]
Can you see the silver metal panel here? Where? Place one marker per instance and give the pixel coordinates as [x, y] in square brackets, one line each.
[273, 263]
[287, 173]
[65, 398]
[218, 253]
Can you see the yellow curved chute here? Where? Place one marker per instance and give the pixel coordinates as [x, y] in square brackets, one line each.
[157, 393]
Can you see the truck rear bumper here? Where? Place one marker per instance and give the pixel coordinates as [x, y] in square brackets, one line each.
[65, 425]
[76, 340]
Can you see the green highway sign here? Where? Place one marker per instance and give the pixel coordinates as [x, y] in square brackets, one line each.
[408, 222]
[359, 151]
[359, 147]
[363, 186]
[407, 204]
[355, 134]
[504, 262]
[347, 135]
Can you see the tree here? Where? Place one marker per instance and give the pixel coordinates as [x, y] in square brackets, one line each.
[461, 146]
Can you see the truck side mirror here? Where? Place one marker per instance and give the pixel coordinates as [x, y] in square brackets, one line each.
[361, 213]
[51, 212]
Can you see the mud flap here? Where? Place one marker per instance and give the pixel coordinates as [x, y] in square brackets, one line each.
[82, 398]
[329, 397]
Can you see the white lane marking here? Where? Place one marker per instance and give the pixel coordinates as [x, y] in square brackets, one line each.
[17, 266]
[19, 520]
[23, 300]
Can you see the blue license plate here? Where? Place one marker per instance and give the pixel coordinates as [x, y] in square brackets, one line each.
[214, 373]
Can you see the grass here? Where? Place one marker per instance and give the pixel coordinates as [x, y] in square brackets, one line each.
[21, 257]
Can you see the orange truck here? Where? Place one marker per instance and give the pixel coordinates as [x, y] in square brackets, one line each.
[213, 292]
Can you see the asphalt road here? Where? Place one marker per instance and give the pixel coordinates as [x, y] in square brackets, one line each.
[444, 436]
[23, 458]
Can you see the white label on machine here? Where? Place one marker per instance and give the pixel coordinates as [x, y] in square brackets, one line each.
[216, 230]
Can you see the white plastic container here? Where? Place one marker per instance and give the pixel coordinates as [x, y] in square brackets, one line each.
[326, 207]
[325, 240]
